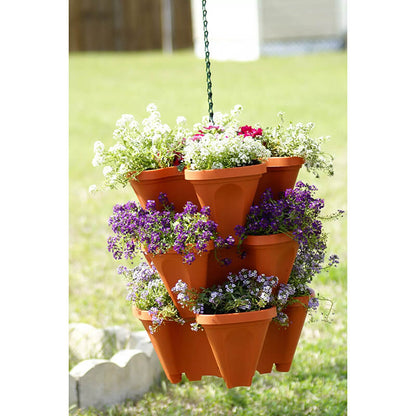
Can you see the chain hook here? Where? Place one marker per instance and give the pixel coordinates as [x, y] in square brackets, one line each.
[207, 63]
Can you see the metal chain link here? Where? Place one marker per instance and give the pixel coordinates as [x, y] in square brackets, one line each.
[207, 62]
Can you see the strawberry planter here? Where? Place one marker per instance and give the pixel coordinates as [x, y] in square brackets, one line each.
[236, 340]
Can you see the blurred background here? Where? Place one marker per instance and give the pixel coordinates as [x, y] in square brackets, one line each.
[239, 29]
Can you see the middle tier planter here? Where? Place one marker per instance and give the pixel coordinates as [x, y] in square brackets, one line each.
[228, 192]
[150, 183]
[237, 340]
[171, 268]
[272, 255]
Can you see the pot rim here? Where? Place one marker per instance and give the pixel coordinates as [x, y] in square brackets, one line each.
[270, 239]
[285, 161]
[225, 173]
[238, 317]
[145, 316]
[152, 174]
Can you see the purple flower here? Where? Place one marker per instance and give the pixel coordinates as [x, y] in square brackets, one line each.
[313, 303]
[187, 232]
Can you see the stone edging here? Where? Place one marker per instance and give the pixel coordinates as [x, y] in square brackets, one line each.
[127, 375]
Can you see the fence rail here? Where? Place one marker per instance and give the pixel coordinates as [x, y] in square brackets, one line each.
[108, 25]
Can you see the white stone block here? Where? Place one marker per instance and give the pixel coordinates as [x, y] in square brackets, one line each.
[128, 375]
[72, 385]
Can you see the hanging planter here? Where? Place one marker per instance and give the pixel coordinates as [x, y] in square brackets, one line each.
[236, 340]
[228, 192]
[148, 184]
[281, 174]
[281, 341]
[214, 173]
[272, 255]
[180, 350]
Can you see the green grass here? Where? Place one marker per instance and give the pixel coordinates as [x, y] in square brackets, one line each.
[307, 88]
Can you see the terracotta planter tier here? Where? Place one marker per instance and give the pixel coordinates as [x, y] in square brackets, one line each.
[272, 255]
[180, 350]
[281, 342]
[218, 272]
[150, 183]
[228, 192]
[237, 340]
[281, 174]
[171, 268]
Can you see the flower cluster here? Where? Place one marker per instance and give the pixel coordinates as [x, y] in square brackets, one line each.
[147, 291]
[296, 140]
[242, 292]
[151, 145]
[297, 214]
[224, 144]
[187, 233]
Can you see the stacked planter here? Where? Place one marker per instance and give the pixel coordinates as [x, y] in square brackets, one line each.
[232, 346]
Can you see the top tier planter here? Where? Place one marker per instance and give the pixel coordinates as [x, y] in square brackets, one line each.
[228, 192]
[150, 183]
[281, 174]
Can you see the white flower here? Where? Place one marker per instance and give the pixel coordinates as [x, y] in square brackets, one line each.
[92, 189]
[236, 110]
[107, 170]
[118, 147]
[180, 120]
[124, 120]
[217, 165]
[151, 108]
[98, 160]
[98, 147]
[134, 125]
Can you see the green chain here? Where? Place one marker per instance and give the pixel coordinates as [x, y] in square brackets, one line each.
[207, 63]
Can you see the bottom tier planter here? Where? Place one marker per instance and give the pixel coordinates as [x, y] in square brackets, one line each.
[281, 341]
[237, 340]
[180, 350]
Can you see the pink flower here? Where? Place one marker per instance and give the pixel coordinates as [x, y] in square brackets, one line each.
[250, 131]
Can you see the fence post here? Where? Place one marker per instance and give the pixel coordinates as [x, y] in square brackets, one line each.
[167, 32]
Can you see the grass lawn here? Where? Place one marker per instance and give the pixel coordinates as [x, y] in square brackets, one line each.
[103, 86]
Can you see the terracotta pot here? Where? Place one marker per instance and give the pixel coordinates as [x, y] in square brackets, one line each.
[237, 340]
[149, 183]
[272, 255]
[218, 272]
[180, 350]
[171, 268]
[281, 174]
[281, 341]
[228, 192]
